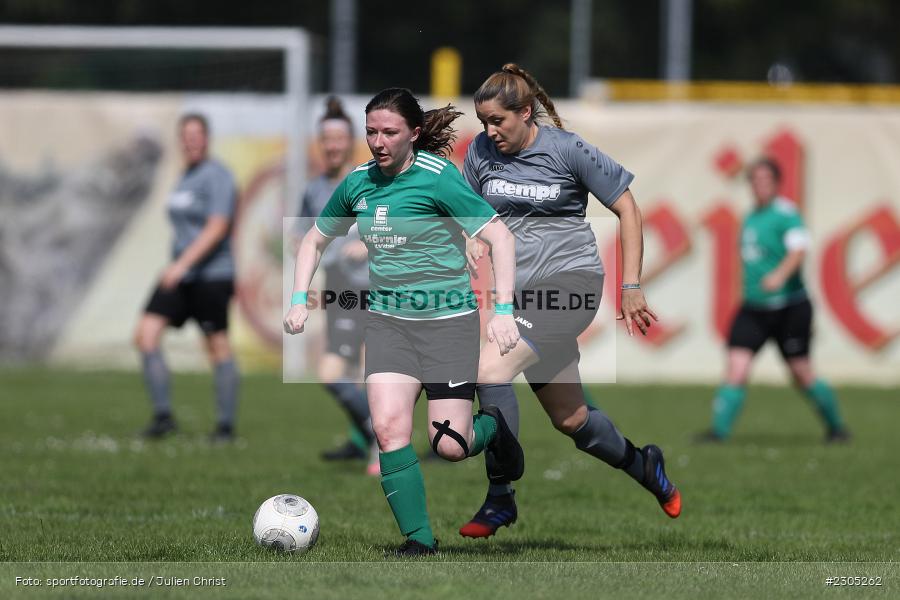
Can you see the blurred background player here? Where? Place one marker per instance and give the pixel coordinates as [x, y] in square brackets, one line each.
[424, 330]
[346, 269]
[199, 282]
[538, 178]
[775, 304]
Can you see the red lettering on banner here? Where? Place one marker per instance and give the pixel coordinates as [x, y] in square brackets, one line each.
[842, 294]
[725, 227]
[676, 244]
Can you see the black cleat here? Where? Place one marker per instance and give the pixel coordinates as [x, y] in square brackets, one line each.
[708, 437]
[838, 436]
[161, 426]
[412, 548]
[505, 448]
[496, 512]
[656, 481]
[222, 434]
[349, 451]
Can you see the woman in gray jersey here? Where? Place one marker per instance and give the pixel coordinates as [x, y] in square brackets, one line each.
[346, 270]
[199, 282]
[537, 177]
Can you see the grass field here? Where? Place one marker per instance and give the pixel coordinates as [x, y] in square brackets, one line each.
[79, 487]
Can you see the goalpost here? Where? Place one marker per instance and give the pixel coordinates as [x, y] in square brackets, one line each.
[99, 331]
[293, 43]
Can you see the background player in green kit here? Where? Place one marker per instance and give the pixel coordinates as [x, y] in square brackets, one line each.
[412, 206]
[538, 176]
[775, 305]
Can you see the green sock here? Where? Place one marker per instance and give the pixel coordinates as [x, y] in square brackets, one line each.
[588, 398]
[484, 426]
[404, 488]
[358, 439]
[826, 403]
[726, 407]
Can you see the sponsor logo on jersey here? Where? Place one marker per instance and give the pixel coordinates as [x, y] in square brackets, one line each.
[181, 199]
[381, 212]
[385, 241]
[361, 205]
[496, 167]
[538, 193]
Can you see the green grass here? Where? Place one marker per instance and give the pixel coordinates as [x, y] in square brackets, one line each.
[77, 486]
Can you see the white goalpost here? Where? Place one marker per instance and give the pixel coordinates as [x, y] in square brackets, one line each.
[293, 43]
[97, 332]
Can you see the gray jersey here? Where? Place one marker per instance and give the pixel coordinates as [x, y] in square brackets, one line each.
[206, 189]
[317, 195]
[541, 194]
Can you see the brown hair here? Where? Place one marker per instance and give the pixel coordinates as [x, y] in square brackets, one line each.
[766, 163]
[334, 110]
[194, 116]
[515, 88]
[437, 134]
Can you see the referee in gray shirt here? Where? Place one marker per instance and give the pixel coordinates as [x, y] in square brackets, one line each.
[199, 282]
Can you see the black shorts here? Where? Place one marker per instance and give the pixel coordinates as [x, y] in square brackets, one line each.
[791, 327]
[345, 324]
[441, 353]
[551, 315]
[204, 301]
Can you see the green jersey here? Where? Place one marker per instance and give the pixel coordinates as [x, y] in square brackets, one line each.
[768, 234]
[412, 224]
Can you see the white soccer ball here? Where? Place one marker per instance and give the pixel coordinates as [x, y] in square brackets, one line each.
[287, 523]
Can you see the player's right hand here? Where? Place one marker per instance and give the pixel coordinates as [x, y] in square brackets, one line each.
[503, 330]
[295, 319]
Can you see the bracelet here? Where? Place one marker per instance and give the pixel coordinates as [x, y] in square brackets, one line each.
[503, 309]
[631, 286]
[299, 298]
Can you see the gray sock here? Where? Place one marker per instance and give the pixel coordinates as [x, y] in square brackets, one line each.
[600, 438]
[353, 400]
[156, 378]
[503, 397]
[226, 383]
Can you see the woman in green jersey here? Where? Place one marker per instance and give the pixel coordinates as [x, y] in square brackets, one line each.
[775, 305]
[411, 206]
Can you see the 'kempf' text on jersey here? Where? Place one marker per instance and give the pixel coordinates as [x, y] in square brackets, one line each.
[538, 193]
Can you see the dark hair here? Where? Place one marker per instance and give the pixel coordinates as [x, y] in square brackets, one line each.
[514, 88]
[194, 116]
[334, 110]
[437, 135]
[766, 163]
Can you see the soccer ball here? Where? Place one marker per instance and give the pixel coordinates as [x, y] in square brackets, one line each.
[287, 523]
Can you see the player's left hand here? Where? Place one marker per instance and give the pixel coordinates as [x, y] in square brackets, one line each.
[636, 312]
[503, 330]
[172, 276]
[474, 252]
[772, 282]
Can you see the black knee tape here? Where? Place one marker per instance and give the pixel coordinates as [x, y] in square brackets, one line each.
[445, 429]
[629, 455]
